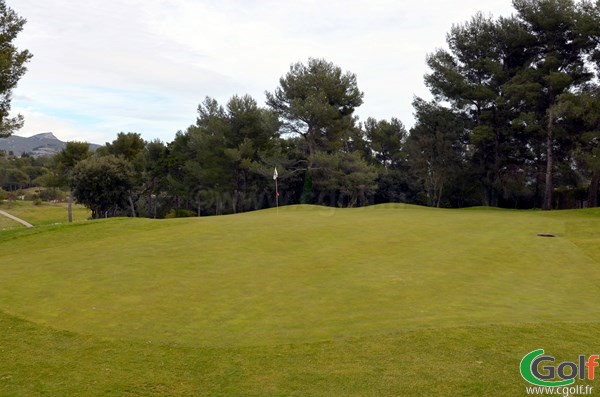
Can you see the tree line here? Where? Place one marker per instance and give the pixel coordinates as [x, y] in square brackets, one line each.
[514, 122]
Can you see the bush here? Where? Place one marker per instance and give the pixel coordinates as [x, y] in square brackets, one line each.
[3, 195]
[180, 213]
[37, 201]
[103, 184]
[52, 194]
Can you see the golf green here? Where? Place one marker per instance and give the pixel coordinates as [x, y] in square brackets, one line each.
[355, 283]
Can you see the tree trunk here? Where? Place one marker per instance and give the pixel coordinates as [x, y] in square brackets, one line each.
[593, 193]
[132, 206]
[495, 177]
[547, 204]
[234, 202]
[353, 200]
[70, 206]
[312, 146]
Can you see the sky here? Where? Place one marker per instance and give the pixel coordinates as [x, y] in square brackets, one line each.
[104, 67]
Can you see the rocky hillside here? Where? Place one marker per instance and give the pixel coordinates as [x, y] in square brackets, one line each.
[45, 144]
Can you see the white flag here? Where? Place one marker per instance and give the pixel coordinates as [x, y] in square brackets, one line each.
[275, 174]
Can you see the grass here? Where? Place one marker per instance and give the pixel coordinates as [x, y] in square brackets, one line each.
[39, 215]
[7, 223]
[381, 301]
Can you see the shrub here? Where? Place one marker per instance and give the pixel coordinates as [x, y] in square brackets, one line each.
[31, 196]
[52, 194]
[180, 213]
[103, 184]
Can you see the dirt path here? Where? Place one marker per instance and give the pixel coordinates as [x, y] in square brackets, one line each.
[14, 218]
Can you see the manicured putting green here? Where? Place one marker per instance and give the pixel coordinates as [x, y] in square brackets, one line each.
[304, 274]
[381, 301]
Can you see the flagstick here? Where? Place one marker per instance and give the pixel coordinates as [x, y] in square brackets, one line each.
[276, 176]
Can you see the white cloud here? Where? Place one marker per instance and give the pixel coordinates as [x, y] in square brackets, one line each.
[104, 67]
[38, 122]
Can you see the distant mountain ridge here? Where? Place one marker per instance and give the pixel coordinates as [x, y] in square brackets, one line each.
[39, 145]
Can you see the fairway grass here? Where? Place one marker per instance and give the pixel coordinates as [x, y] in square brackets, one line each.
[388, 300]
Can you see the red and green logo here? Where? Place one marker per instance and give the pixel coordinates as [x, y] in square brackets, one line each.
[541, 370]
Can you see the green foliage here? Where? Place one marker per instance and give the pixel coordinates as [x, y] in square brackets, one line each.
[222, 163]
[13, 178]
[386, 140]
[180, 213]
[307, 189]
[102, 184]
[435, 148]
[343, 179]
[582, 111]
[12, 66]
[66, 160]
[129, 146]
[21, 172]
[317, 101]
[505, 76]
[52, 194]
[385, 147]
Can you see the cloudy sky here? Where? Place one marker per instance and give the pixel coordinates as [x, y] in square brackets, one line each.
[101, 67]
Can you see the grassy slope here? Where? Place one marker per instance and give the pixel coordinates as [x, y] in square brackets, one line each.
[37, 215]
[7, 223]
[312, 301]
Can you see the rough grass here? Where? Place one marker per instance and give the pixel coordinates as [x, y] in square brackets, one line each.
[7, 223]
[38, 215]
[387, 300]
